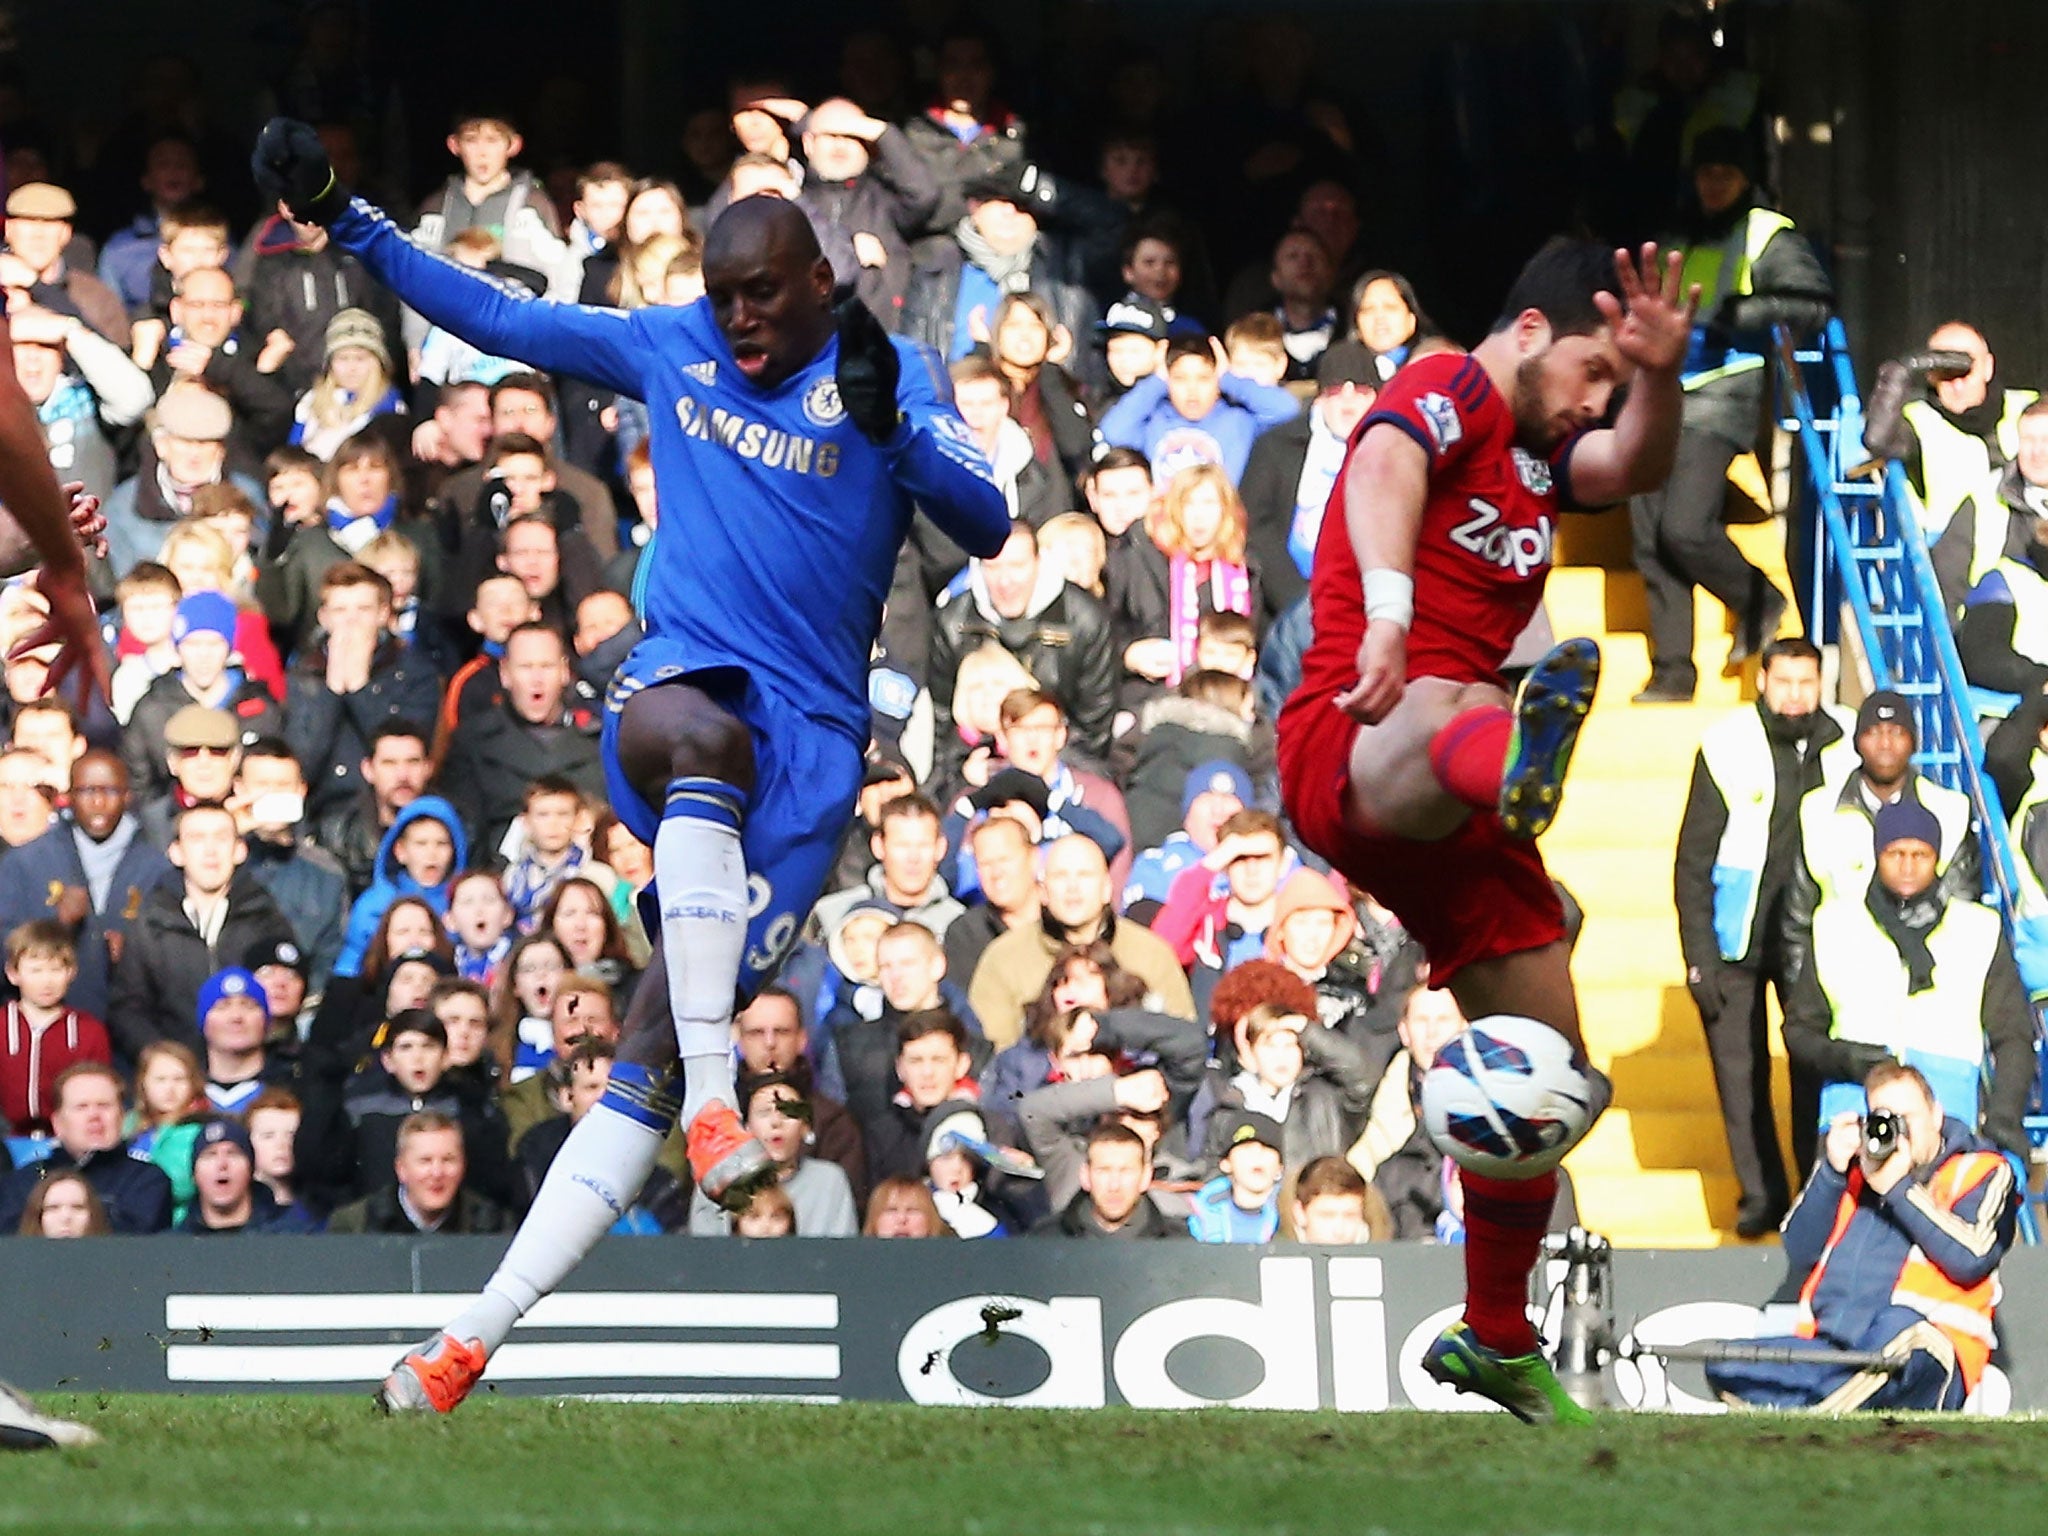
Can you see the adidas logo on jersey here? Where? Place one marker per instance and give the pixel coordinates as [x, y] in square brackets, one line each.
[1521, 550]
[705, 373]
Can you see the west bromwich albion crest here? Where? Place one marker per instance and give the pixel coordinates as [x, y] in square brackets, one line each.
[1535, 472]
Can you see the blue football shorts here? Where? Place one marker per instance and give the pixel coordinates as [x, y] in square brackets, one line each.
[806, 783]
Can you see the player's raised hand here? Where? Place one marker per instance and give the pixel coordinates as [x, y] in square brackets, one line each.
[74, 625]
[868, 372]
[1652, 319]
[1382, 673]
[291, 167]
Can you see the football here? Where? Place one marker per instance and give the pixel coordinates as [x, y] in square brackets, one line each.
[1506, 1099]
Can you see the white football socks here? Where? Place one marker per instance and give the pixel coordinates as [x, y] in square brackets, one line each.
[701, 876]
[594, 1181]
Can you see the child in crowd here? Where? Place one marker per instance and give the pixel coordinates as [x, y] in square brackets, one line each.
[480, 918]
[190, 235]
[523, 1001]
[148, 599]
[1242, 1203]
[354, 387]
[1255, 348]
[203, 560]
[549, 852]
[418, 857]
[771, 1213]
[294, 482]
[1073, 542]
[778, 1111]
[1227, 642]
[42, 1036]
[272, 1118]
[500, 606]
[170, 1101]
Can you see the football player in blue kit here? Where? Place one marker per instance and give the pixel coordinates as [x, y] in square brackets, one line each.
[791, 446]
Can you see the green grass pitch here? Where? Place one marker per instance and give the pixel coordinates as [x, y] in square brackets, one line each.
[283, 1464]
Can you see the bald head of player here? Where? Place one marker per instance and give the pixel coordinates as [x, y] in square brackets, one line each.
[770, 287]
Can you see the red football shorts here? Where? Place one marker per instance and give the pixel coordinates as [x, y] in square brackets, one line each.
[1472, 896]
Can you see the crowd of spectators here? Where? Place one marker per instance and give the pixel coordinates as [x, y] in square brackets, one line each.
[322, 920]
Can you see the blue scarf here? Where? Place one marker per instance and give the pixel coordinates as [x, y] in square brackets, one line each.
[348, 529]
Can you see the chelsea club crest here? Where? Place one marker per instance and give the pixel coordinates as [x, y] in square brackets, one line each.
[821, 404]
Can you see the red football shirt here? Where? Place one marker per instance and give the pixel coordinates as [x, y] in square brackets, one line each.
[1484, 547]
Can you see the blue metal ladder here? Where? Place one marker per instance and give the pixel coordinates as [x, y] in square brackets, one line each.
[1862, 548]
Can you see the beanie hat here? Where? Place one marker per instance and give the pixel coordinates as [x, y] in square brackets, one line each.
[221, 1129]
[1219, 776]
[1885, 707]
[205, 612]
[357, 328]
[233, 981]
[1905, 820]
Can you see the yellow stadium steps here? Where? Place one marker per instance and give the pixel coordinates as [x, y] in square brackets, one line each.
[1655, 1172]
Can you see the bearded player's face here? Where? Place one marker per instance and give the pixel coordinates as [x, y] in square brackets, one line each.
[1566, 386]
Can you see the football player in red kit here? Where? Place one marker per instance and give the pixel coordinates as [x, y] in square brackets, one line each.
[1402, 760]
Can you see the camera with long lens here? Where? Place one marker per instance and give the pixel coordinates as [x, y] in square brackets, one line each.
[1883, 1131]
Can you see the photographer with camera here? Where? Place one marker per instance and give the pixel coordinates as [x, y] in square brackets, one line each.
[1906, 971]
[1902, 1229]
[1945, 412]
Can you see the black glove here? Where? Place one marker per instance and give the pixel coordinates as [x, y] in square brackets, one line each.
[290, 166]
[868, 371]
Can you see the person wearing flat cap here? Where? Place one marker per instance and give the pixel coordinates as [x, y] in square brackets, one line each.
[40, 227]
[1906, 971]
[209, 675]
[187, 450]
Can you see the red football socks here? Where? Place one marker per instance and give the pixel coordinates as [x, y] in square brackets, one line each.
[1504, 1224]
[1470, 753]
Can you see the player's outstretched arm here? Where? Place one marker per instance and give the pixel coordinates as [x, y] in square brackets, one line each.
[1386, 486]
[932, 454]
[1652, 323]
[40, 509]
[596, 345]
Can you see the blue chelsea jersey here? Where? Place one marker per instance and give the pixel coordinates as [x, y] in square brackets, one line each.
[779, 520]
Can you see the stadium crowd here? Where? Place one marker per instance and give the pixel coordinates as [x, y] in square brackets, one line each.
[322, 921]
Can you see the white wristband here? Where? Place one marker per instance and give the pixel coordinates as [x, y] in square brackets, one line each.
[1390, 595]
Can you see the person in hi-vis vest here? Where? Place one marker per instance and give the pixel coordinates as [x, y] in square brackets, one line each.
[2016, 761]
[1955, 435]
[1753, 271]
[2002, 519]
[1836, 860]
[1738, 848]
[2002, 634]
[1905, 971]
[1900, 1250]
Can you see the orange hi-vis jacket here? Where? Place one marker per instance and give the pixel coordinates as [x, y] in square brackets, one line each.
[1961, 1309]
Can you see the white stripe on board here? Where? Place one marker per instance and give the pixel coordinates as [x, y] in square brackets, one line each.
[323, 1312]
[258, 1363]
[825, 1399]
